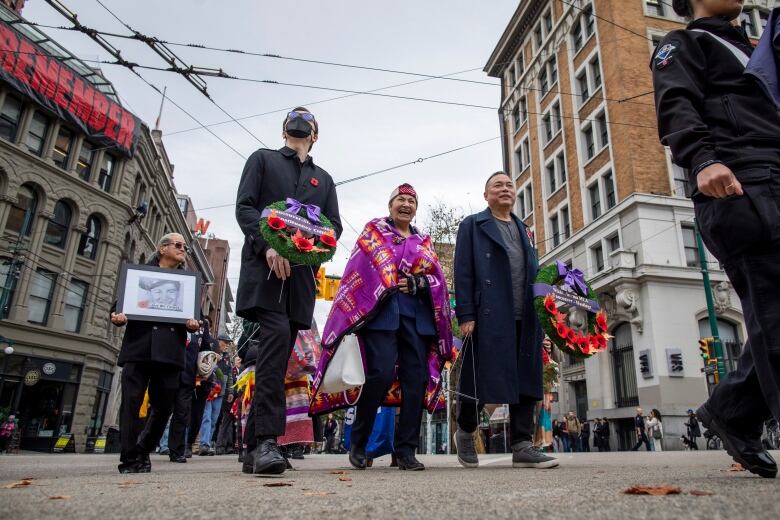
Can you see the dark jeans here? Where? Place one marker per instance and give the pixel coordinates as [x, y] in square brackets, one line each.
[162, 381]
[743, 232]
[277, 337]
[585, 442]
[383, 348]
[521, 418]
[642, 439]
[196, 413]
[227, 426]
[574, 442]
[182, 409]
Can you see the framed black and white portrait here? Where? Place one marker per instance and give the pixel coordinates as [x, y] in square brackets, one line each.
[151, 293]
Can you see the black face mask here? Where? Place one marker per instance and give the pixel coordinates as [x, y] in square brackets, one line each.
[298, 128]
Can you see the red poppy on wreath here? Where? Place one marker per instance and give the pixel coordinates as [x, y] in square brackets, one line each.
[601, 341]
[601, 321]
[561, 329]
[314, 182]
[571, 336]
[549, 304]
[584, 348]
[274, 222]
[302, 243]
[329, 239]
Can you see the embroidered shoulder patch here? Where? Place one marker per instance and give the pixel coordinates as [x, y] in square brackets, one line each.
[665, 54]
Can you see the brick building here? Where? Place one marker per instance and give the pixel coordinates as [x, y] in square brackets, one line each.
[601, 193]
[69, 215]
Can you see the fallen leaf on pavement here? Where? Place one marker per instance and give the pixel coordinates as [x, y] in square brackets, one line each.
[697, 493]
[318, 493]
[129, 483]
[21, 483]
[736, 467]
[345, 479]
[653, 490]
[278, 484]
[338, 472]
[59, 497]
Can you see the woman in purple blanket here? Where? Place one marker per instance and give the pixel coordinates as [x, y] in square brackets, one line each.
[393, 295]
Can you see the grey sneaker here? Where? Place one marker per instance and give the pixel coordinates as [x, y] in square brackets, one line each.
[526, 455]
[467, 453]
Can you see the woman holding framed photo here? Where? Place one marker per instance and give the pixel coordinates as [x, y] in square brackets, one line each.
[153, 348]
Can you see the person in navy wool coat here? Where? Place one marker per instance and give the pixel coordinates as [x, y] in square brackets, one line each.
[495, 267]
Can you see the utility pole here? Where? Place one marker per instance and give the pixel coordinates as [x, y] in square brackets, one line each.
[705, 274]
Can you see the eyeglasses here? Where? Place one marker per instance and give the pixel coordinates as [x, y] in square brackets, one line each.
[306, 116]
[178, 245]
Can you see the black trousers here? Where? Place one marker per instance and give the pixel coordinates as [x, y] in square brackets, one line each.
[227, 426]
[182, 410]
[383, 350]
[277, 337]
[162, 381]
[643, 439]
[743, 232]
[521, 418]
[585, 442]
[196, 413]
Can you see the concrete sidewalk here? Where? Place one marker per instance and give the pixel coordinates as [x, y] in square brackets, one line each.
[585, 486]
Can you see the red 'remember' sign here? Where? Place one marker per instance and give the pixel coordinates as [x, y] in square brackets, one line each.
[31, 71]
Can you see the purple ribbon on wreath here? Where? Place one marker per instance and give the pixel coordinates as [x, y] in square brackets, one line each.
[573, 278]
[312, 210]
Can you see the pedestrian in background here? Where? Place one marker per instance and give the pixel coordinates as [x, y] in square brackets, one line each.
[694, 430]
[557, 436]
[585, 436]
[7, 430]
[222, 387]
[574, 429]
[605, 434]
[565, 435]
[640, 428]
[655, 429]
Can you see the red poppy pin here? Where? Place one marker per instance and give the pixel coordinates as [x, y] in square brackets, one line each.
[314, 182]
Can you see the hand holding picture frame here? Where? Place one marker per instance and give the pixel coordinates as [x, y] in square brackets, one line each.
[149, 293]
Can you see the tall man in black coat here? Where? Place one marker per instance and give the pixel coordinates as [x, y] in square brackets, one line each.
[271, 292]
[152, 355]
[495, 266]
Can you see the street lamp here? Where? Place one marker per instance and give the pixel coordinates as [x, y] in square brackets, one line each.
[10, 348]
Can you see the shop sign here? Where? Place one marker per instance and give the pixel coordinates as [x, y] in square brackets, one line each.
[100, 444]
[32, 377]
[65, 442]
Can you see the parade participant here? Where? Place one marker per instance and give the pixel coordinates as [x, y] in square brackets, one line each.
[495, 265]
[271, 292]
[151, 356]
[720, 125]
[182, 404]
[213, 409]
[393, 296]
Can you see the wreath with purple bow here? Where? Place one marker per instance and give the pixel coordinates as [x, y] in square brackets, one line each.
[299, 232]
[558, 287]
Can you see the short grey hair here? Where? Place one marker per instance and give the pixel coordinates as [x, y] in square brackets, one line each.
[167, 239]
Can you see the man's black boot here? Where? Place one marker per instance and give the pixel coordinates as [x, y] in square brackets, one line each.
[357, 457]
[748, 452]
[268, 460]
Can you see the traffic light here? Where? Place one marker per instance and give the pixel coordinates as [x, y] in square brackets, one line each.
[705, 348]
[331, 287]
[320, 280]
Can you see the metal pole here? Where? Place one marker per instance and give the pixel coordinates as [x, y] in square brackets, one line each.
[705, 274]
[447, 398]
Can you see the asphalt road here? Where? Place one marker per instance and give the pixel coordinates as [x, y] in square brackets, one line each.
[585, 486]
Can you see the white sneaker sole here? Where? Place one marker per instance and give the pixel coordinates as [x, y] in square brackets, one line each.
[536, 465]
[461, 461]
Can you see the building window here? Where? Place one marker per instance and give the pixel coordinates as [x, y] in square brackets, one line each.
[544, 86]
[101, 403]
[587, 141]
[556, 236]
[557, 123]
[689, 243]
[62, 148]
[510, 76]
[106, 176]
[603, 131]
[519, 67]
[748, 23]
[609, 189]
[595, 72]
[89, 241]
[614, 243]
[7, 298]
[41, 291]
[547, 22]
[547, 125]
[590, 20]
[523, 106]
[58, 226]
[654, 7]
[36, 136]
[84, 163]
[576, 35]
[582, 83]
[525, 149]
[553, 64]
[598, 257]
[516, 119]
[22, 213]
[595, 201]
[560, 167]
[566, 232]
[141, 196]
[682, 185]
[538, 39]
[9, 118]
[75, 302]
[552, 183]
[529, 199]
[521, 209]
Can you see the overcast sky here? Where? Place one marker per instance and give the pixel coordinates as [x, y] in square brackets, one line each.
[359, 134]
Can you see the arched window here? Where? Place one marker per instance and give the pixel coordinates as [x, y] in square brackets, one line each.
[22, 214]
[623, 367]
[131, 253]
[89, 241]
[59, 225]
[729, 337]
[142, 259]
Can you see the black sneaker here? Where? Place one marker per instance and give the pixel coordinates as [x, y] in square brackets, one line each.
[748, 452]
[467, 452]
[248, 462]
[268, 460]
[526, 455]
[129, 467]
[188, 452]
[410, 463]
[144, 462]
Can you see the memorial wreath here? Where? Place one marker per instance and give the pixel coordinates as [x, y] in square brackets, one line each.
[298, 232]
